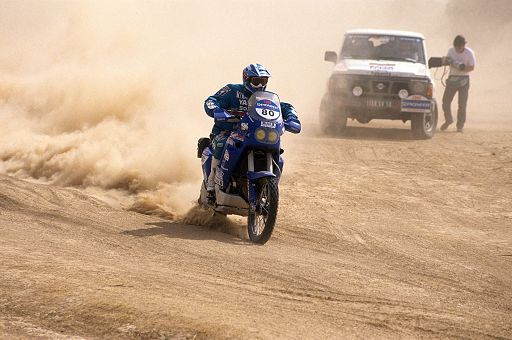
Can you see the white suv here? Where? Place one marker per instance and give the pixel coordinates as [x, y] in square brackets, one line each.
[380, 74]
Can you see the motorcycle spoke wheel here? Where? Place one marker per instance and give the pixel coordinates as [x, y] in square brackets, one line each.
[261, 221]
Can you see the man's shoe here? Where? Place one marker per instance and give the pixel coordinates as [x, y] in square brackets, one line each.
[460, 130]
[445, 126]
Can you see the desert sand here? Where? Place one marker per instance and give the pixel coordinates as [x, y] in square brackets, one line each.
[378, 235]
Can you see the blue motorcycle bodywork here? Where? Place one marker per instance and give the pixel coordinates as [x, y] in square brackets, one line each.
[257, 138]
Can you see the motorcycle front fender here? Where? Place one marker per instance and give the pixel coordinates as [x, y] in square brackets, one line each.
[253, 178]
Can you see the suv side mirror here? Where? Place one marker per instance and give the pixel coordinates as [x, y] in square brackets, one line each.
[331, 56]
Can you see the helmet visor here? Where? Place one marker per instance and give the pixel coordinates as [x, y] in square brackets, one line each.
[258, 81]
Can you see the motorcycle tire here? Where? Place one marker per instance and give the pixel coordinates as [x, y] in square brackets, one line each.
[261, 220]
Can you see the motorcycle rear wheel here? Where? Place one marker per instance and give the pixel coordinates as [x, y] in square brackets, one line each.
[261, 220]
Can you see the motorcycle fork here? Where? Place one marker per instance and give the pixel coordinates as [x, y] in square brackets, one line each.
[250, 162]
[252, 183]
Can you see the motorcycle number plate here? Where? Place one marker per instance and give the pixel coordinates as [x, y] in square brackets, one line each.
[268, 114]
[267, 109]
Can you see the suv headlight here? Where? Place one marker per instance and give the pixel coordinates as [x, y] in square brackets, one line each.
[338, 83]
[418, 87]
[357, 91]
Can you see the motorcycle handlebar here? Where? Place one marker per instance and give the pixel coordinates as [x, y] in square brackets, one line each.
[236, 113]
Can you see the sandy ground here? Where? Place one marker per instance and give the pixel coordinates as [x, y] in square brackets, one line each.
[378, 235]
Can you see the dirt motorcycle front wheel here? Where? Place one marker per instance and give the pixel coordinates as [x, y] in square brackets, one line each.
[262, 218]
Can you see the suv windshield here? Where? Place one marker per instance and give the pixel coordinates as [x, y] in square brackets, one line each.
[385, 47]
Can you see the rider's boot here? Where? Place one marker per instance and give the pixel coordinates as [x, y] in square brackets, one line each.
[210, 184]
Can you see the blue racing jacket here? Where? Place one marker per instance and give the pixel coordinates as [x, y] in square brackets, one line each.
[235, 97]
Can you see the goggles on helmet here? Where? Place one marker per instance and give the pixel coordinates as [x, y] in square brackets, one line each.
[258, 81]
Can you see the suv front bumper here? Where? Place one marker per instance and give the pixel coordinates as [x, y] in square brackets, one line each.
[379, 99]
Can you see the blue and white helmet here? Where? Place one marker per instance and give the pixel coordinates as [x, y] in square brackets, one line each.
[255, 77]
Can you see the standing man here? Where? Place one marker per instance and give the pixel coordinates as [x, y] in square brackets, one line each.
[462, 61]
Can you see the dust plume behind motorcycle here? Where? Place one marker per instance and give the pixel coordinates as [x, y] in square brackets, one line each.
[84, 103]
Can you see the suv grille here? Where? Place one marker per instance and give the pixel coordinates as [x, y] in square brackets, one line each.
[380, 86]
[370, 85]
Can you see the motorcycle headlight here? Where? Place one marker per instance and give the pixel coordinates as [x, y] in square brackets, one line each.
[272, 136]
[260, 135]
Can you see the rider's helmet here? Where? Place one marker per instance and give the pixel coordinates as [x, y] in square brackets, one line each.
[255, 77]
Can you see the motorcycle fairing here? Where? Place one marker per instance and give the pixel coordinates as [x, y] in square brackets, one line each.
[206, 161]
[264, 111]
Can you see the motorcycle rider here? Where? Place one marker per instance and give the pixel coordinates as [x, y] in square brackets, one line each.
[234, 98]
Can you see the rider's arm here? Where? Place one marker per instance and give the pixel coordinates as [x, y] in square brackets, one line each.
[218, 100]
[288, 111]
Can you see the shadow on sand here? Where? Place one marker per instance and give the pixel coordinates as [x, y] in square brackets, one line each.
[183, 231]
[376, 133]
[197, 224]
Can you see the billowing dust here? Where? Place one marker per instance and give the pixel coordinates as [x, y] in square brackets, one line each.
[108, 97]
[204, 217]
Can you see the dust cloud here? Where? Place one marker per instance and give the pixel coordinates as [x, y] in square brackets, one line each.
[108, 96]
[217, 222]
[87, 100]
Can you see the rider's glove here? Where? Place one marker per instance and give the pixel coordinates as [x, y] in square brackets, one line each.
[219, 111]
[292, 125]
[221, 115]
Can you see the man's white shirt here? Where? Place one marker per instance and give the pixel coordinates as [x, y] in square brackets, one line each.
[467, 57]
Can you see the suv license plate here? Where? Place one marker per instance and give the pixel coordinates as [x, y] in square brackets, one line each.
[379, 103]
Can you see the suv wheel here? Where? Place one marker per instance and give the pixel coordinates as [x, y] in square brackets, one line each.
[423, 125]
[333, 120]
[363, 120]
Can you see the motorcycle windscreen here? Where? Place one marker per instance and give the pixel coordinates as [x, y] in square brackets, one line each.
[265, 106]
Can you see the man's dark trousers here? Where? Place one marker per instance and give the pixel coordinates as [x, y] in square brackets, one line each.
[452, 86]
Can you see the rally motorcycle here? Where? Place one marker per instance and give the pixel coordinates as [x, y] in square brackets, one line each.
[247, 178]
